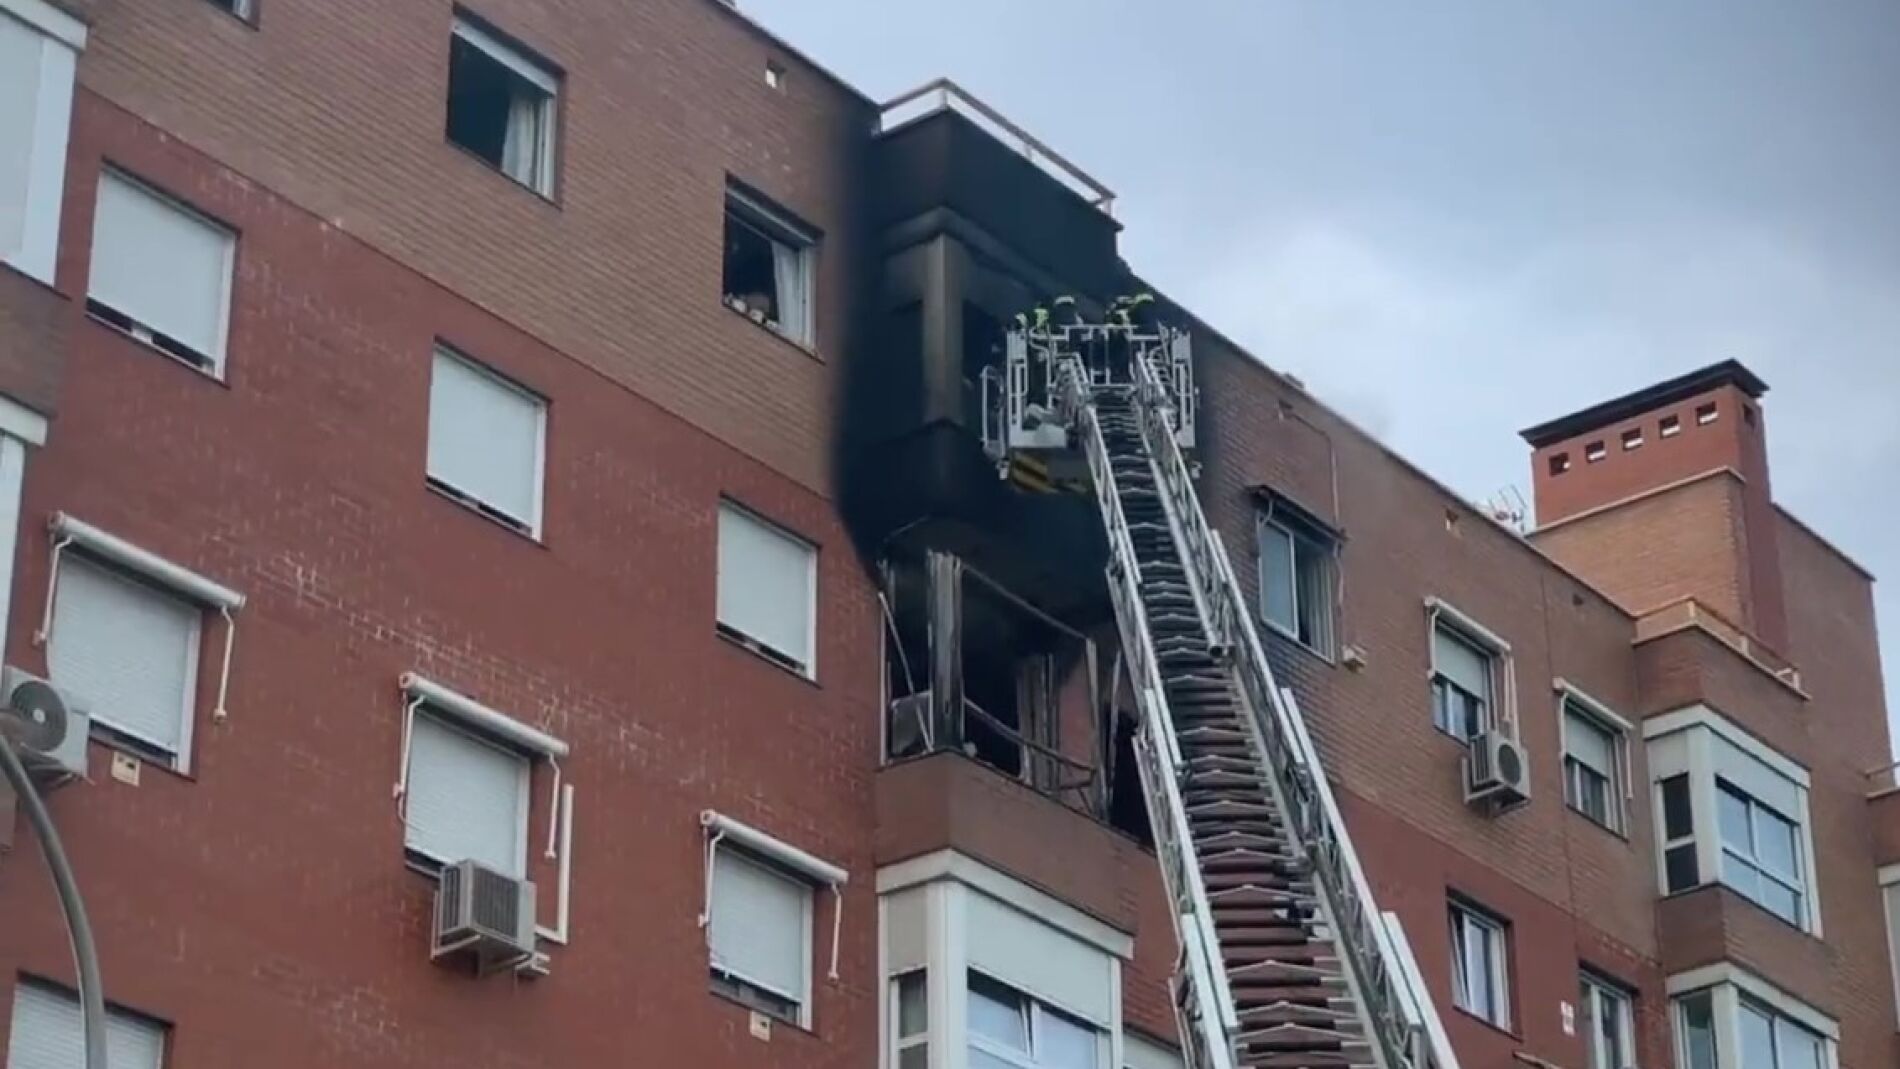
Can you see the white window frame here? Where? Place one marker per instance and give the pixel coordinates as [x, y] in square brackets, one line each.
[1035, 1013]
[1889, 877]
[1319, 555]
[1500, 710]
[1757, 810]
[778, 227]
[804, 662]
[168, 578]
[1599, 992]
[63, 37]
[530, 525]
[1701, 743]
[138, 329]
[1572, 700]
[761, 848]
[1466, 918]
[540, 76]
[1729, 987]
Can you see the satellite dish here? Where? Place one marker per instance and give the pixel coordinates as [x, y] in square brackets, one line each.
[36, 716]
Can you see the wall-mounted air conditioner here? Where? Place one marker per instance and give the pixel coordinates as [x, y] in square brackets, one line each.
[483, 918]
[49, 731]
[1497, 772]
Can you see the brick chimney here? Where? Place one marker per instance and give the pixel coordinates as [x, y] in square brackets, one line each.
[1663, 494]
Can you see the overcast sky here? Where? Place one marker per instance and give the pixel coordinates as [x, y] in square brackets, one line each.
[1455, 219]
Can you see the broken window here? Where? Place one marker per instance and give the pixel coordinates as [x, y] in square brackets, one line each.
[768, 266]
[501, 106]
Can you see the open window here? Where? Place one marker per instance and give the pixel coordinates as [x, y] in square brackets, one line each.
[1607, 1021]
[1298, 558]
[1480, 964]
[770, 261]
[1596, 758]
[502, 105]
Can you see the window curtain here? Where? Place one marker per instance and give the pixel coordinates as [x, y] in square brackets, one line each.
[794, 289]
[521, 150]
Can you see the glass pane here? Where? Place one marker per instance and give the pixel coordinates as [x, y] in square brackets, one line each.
[997, 1013]
[1460, 975]
[1474, 715]
[1698, 1032]
[1780, 901]
[1610, 1031]
[1742, 876]
[1276, 576]
[1590, 794]
[916, 1057]
[982, 1059]
[1756, 1032]
[1680, 866]
[913, 1009]
[1315, 596]
[1775, 846]
[1677, 819]
[1800, 1048]
[1732, 809]
[1063, 1043]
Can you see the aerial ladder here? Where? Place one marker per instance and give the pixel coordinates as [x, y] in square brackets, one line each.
[1285, 960]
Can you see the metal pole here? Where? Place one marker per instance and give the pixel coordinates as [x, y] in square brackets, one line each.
[92, 1001]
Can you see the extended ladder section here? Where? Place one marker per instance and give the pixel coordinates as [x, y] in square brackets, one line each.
[1285, 961]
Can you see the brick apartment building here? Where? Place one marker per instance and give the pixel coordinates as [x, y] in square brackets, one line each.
[550, 433]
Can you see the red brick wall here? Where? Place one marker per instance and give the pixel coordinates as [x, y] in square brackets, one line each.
[34, 321]
[1675, 544]
[339, 107]
[262, 904]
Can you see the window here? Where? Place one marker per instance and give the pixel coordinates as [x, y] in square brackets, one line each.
[161, 272]
[1296, 583]
[1010, 1030]
[1748, 415]
[1480, 982]
[1633, 439]
[1680, 871]
[1595, 451]
[502, 105]
[761, 935]
[775, 75]
[768, 585]
[1670, 426]
[1695, 1030]
[244, 9]
[487, 437]
[1462, 675]
[1734, 811]
[38, 50]
[49, 1033]
[466, 798]
[1607, 1026]
[1706, 414]
[1593, 765]
[910, 1010]
[1761, 853]
[1559, 463]
[1744, 1023]
[129, 652]
[769, 266]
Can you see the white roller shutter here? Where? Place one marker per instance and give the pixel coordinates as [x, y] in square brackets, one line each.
[128, 651]
[761, 925]
[20, 50]
[1590, 743]
[49, 1033]
[767, 583]
[485, 439]
[1459, 661]
[466, 798]
[161, 264]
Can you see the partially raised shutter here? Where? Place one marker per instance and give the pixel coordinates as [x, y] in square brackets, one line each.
[759, 920]
[161, 264]
[127, 651]
[49, 1033]
[466, 798]
[1459, 661]
[766, 584]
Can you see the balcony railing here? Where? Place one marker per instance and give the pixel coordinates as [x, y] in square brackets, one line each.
[945, 95]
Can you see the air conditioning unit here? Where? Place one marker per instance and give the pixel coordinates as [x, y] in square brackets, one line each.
[1497, 772]
[483, 918]
[46, 727]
